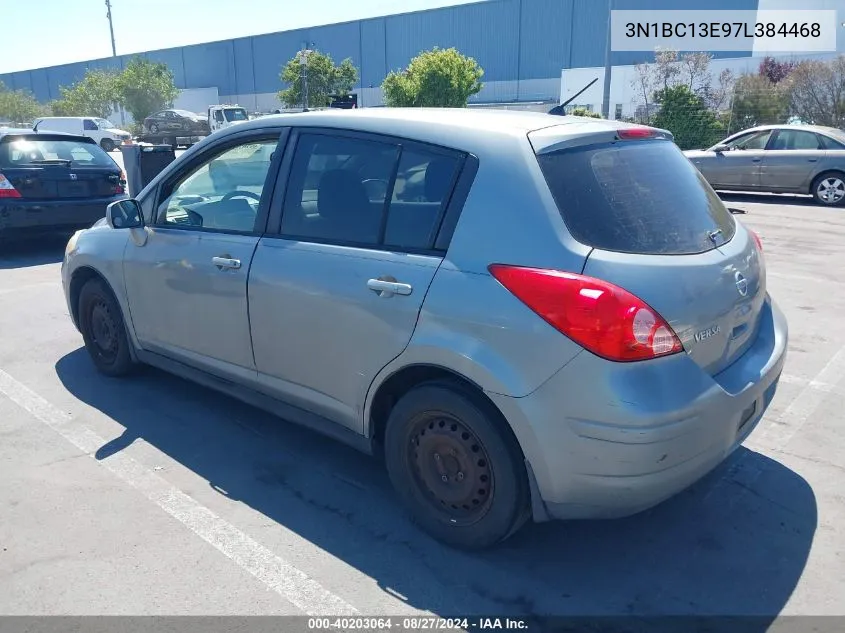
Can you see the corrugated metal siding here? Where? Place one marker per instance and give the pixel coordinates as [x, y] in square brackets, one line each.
[173, 57]
[484, 31]
[270, 52]
[373, 53]
[210, 65]
[244, 66]
[545, 33]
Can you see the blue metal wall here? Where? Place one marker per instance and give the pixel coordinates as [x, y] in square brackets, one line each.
[511, 39]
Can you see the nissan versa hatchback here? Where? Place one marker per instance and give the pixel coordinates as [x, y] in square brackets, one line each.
[526, 316]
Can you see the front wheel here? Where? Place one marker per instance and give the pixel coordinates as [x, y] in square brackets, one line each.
[829, 189]
[455, 467]
[103, 329]
[153, 128]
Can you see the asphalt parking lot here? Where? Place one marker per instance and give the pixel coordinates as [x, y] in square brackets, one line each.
[153, 496]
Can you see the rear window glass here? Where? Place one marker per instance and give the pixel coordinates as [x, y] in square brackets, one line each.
[636, 197]
[28, 151]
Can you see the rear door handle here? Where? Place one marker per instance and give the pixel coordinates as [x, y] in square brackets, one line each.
[226, 263]
[756, 160]
[389, 288]
[812, 160]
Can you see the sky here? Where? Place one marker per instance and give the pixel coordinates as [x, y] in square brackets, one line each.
[77, 30]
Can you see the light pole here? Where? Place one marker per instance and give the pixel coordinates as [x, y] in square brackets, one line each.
[114, 51]
[605, 102]
[303, 66]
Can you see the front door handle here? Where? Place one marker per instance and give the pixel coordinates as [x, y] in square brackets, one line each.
[389, 287]
[226, 263]
[756, 160]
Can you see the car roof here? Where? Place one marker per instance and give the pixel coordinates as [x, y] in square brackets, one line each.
[451, 127]
[45, 133]
[793, 126]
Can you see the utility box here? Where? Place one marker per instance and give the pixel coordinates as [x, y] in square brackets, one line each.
[144, 162]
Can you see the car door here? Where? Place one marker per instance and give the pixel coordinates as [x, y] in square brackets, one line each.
[187, 283]
[790, 160]
[335, 292]
[738, 168]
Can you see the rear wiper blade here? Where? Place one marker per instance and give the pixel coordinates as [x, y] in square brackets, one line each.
[52, 161]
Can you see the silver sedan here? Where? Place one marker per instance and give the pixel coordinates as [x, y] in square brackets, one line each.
[803, 159]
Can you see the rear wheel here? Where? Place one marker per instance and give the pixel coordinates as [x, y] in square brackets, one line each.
[829, 189]
[103, 330]
[458, 472]
[107, 144]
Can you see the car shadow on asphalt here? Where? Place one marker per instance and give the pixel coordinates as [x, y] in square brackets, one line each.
[25, 253]
[736, 543]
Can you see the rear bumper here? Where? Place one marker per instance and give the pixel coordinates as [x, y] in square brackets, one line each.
[26, 217]
[609, 439]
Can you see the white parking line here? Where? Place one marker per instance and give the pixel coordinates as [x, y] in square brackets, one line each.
[278, 575]
[795, 416]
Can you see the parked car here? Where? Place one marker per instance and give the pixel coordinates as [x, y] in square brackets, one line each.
[563, 322]
[101, 131]
[804, 159]
[53, 183]
[176, 121]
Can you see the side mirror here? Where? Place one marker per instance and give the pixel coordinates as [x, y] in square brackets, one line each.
[721, 148]
[124, 214]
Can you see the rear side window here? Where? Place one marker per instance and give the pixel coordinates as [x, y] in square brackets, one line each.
[636, 197]
[31, 152]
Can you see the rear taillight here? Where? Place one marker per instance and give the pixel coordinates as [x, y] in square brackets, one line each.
[7, 189]
[120, 187]
[601, 317]
[757, 240]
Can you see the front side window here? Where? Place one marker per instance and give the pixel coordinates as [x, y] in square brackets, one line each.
[755, 140]
[368, 193]
[88, 124]
[222, 193]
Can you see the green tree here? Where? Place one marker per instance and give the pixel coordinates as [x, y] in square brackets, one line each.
[322, 77]
[757, 101]
[582, 111]
[685, 114]
[95, 95]
[817, 91]
[18, 106]
[144, 87]
[439, 78]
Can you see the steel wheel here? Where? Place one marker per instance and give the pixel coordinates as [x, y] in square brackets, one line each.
[830, 190]
[104, 331]
[452, 467]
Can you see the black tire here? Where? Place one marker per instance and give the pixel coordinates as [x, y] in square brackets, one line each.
[107, 144]
[153, 128]
[484, 497]
[828, 189]
[103, 329]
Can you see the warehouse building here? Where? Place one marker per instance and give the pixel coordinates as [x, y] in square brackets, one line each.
[523, 46]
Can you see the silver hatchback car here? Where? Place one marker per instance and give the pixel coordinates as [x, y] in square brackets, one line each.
[526, 315]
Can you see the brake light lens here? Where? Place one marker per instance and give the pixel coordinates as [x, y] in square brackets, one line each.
[120, 187]
[603, 318]
[7, 189]
[757, 240]
[636, 133]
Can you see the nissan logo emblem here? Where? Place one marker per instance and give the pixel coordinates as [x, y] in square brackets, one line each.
[741, 284]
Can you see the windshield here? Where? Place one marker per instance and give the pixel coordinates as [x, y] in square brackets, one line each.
[30, 152]
[235, 114]
[636, 197]
[104, 124]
